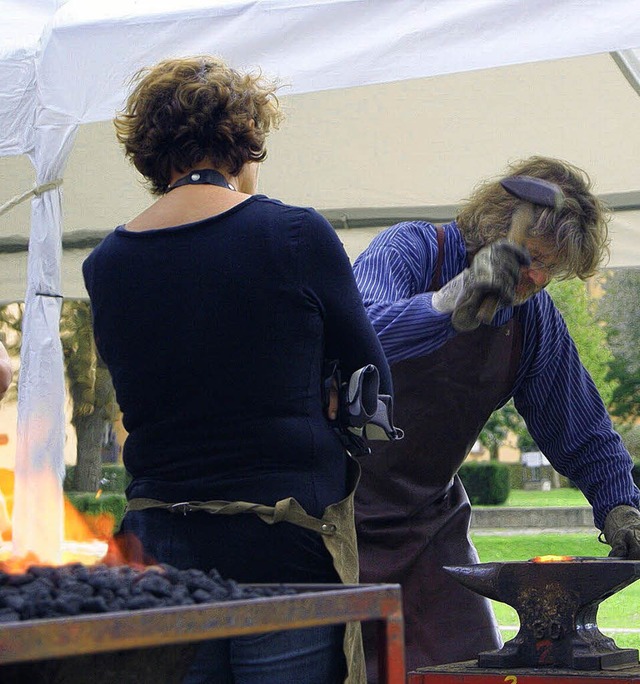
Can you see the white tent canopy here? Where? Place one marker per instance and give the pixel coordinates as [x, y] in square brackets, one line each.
[65, 64]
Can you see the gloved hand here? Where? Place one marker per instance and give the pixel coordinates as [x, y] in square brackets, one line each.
[494, 271]
[622, 532]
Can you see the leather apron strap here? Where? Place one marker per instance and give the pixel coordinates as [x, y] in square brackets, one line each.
[337, 528]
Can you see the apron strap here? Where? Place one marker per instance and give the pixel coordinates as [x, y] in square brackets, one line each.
[285, 510]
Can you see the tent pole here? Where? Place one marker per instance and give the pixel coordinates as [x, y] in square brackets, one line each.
[38, 521]
[629, 65]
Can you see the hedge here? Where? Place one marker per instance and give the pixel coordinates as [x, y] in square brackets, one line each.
[89, 505]
[487, 484]
[112, 500]
[86, 502]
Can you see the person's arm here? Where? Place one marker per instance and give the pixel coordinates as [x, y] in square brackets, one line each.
[6, 372]
[566, 416]
[349, 335]
[393, 275]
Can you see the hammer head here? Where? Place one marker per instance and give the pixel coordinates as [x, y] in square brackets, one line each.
[534, 190]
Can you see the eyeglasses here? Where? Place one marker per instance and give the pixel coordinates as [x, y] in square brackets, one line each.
[538, 264]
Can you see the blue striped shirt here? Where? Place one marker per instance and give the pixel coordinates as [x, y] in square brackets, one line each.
[553, 391]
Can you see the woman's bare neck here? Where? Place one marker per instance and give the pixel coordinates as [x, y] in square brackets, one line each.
[186, 204]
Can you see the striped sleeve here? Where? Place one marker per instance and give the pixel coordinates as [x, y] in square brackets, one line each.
[393, 275]
[566, 416]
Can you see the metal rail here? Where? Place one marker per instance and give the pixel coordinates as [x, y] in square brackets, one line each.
[314, 605]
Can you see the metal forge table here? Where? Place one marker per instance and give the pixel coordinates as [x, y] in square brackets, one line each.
[54, 640]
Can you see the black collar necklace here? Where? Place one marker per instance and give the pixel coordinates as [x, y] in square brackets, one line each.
[202, 177]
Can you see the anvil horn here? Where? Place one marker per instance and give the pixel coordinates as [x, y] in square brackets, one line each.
[481, 578]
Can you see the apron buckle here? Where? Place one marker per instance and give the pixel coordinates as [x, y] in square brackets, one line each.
[183, 507]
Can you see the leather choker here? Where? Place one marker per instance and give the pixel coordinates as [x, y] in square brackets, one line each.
[202, 177]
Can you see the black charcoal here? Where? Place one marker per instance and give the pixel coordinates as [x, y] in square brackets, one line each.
[75, 589]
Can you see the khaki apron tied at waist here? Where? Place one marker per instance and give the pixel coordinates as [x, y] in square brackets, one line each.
[337, 528]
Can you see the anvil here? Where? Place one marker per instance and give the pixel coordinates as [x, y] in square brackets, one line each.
[557, 602]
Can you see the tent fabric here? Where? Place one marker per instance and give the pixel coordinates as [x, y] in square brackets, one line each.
[88, 50]
[316, 45]
[63, 64]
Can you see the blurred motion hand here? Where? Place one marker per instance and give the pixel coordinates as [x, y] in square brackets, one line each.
[494, 271]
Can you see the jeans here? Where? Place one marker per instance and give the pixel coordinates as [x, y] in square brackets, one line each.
[299, 656]
[248, 550]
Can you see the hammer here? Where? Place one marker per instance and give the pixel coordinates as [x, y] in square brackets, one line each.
[531, 191]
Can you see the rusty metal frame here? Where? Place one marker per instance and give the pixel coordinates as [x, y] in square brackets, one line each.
[313, 605]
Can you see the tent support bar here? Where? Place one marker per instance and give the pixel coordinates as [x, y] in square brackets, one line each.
[348, 217]
[375, 217]
[629, 65]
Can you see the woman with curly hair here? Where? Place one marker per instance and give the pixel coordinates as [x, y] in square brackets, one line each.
[214, 310]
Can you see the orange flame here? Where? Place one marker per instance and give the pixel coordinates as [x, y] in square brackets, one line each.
[18, 564]
[552, 559]
[86, 536]
[126, 549]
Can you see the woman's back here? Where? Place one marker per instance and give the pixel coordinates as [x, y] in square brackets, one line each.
[215, 334]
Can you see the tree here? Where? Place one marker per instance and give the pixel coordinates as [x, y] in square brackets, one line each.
[500, 424]
[89, 383]
[580, 313]
[92, 395]
[619, 309]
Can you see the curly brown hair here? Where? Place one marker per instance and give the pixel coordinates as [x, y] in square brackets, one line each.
[578, 230]
[185, 110]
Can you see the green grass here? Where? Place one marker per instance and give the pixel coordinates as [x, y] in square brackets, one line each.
[621, 611]
[565, 496]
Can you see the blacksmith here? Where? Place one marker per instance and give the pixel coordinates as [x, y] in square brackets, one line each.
[424, 286]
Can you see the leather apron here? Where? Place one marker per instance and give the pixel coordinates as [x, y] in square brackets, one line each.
[336, 527]
[412, 512]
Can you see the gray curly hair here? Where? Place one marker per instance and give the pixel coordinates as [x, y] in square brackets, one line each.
[579, 230]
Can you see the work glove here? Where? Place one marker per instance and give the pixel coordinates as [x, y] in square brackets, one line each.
[494, 272]
[364, 410]
[622, 532]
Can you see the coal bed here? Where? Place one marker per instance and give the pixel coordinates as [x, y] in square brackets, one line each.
[76, 589]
